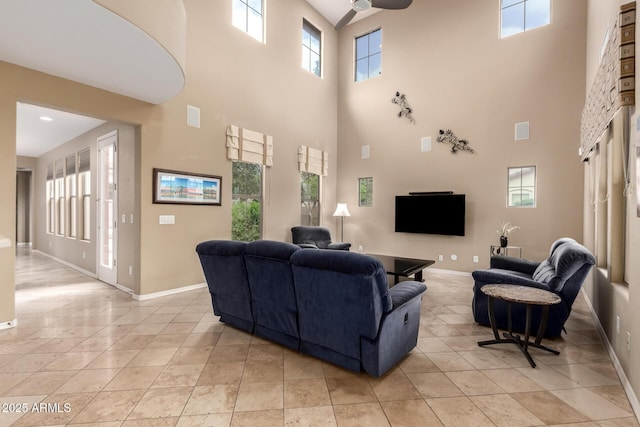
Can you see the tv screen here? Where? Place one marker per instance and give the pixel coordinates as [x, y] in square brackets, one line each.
[431, 214]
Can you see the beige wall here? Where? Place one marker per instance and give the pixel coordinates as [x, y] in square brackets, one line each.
[609, 298]
[233, 80]
[457, 74]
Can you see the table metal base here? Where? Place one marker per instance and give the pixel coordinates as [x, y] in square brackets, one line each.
[509, 337]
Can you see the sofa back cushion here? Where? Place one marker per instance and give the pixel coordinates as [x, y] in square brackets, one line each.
[341, 296]
[273, 301]
[224, 268]
[567, 259]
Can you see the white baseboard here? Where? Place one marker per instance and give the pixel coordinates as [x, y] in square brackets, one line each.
[8, 325]
[131, 292]
[441, 270]
[631, 395]
[168, 292]
[68, 264]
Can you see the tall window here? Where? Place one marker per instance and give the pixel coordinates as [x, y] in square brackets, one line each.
[310, 198]
[522, 187]
[72, 195]
[59, 189]
[51, 200]
[523, 15]
[84, 182]
[248, 16]
[311, 48]
[369, 55]
[246, 209]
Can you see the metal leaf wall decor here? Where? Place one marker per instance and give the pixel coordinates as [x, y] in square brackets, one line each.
[405, 110]
[456, 144]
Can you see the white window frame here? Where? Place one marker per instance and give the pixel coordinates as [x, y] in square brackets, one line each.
[242, 13]
[308, 51]
[514, 190]
[368, 56]
[511, 5]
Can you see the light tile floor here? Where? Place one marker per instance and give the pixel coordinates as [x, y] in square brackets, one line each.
[85, 353]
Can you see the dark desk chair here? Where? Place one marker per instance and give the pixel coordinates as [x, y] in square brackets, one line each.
[316, 237]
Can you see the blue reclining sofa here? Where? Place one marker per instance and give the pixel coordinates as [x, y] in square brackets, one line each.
[334, 305]
[562, 273]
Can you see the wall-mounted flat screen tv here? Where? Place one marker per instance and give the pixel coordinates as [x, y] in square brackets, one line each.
[431, 213]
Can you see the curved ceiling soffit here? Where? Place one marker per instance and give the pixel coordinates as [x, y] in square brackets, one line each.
[83, 41]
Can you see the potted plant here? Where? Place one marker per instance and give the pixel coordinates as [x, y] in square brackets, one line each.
[505, 229]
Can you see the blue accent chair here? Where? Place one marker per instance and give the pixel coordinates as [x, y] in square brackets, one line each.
[307, 236]
[562, 273]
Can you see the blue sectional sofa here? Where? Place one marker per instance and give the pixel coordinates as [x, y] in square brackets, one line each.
[562, 273]
[334, 305]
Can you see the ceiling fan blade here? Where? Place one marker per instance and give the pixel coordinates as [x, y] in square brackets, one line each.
[391, 4]
[345, 19]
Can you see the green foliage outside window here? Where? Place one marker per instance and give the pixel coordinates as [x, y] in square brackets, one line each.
[246, 209]
[310, 198]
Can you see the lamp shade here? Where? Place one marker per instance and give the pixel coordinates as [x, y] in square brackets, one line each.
[342, 210]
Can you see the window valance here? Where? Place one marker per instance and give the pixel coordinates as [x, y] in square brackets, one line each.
[313, 161]
[248, 146]
[614, 84]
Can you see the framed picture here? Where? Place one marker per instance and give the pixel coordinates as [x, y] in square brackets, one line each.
[177, 187]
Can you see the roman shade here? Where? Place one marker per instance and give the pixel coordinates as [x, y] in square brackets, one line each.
[313, 161]
[249, 146]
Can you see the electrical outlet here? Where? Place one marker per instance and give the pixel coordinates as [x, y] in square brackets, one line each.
[440, 258]
[475, 259]
[628, 341]
[360, 248]
[84, 255]
[130, 270]
[617, 324]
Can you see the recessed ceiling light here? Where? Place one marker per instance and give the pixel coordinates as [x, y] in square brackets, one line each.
[46, 118]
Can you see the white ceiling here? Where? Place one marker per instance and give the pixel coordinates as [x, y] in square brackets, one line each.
[82, 41]
[35, 136]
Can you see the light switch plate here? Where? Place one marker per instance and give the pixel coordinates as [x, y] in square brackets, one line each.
[167, 219]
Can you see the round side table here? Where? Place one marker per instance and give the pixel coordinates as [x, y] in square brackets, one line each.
[523, 295]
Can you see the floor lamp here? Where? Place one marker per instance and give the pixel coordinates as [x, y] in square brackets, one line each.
[342, 211]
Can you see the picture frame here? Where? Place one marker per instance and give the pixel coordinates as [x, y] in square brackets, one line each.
[185, 188]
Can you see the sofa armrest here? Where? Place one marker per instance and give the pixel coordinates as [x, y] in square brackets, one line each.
[339, 246]
[405, 291]
[516, 264]
[307, 246]
[486, 277]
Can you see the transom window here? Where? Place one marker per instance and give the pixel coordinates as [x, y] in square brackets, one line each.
[369, 55]
[248, 16]
[311, 48]
[523, 15]
[522, 187]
